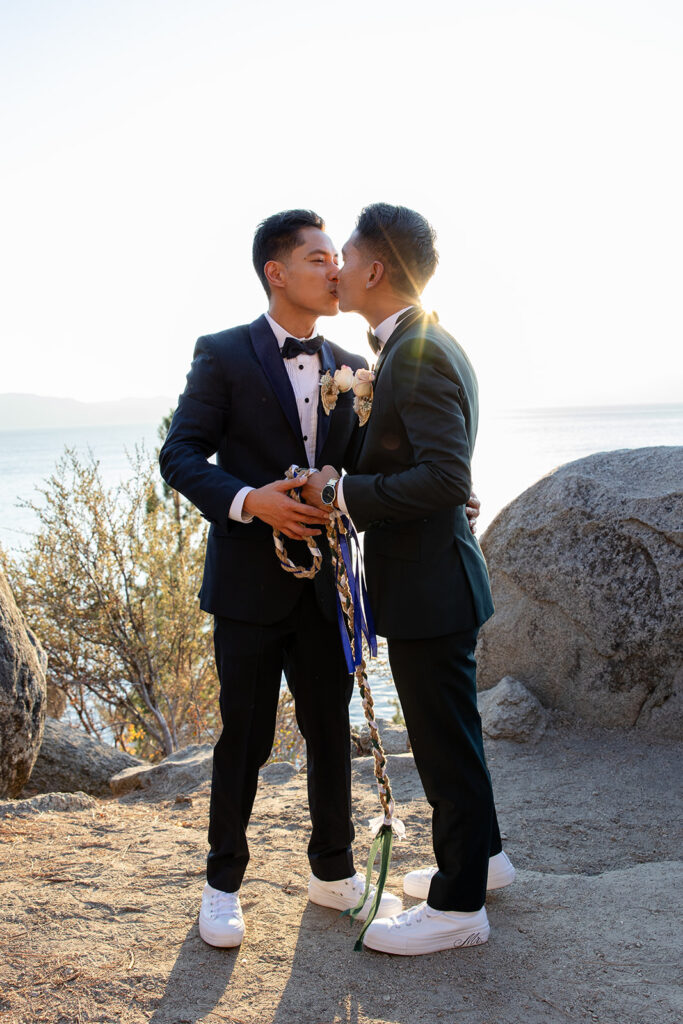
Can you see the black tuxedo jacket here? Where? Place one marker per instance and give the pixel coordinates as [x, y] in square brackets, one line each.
[425, 571]
[239, 404]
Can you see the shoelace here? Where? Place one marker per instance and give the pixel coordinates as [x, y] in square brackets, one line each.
[225, 904]
[357, 886]
[408, 916]
[371, 892]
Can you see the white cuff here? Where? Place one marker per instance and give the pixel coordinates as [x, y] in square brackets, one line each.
[340, 497]
[236, 507]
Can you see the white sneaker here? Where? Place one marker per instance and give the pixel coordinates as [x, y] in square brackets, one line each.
[220, 917]
[345, 893]
[501, 873]
[425, 930]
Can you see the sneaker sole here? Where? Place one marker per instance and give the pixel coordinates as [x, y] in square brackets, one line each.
[434, 945]
[215, 938]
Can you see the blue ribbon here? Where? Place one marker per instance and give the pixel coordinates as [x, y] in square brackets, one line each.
[363, 623]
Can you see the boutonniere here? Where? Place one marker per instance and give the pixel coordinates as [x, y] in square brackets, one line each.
[363, 391]
[344, 380]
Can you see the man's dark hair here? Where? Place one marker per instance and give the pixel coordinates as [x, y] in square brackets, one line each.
[403, 241]
[276, 236]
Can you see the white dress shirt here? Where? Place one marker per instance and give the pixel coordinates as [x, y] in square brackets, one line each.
[382, 332]
[304, 376]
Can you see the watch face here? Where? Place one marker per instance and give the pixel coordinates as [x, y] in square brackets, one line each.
[328, 494]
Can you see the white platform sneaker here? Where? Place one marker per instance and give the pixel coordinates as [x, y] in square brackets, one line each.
[345, 893]
[501, 873]
[220, 918]
[425, 930]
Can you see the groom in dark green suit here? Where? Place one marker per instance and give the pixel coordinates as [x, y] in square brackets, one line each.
[427, 578]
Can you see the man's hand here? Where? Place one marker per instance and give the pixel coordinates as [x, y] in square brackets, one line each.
[273, 505]
[314, 485]
[472, 510]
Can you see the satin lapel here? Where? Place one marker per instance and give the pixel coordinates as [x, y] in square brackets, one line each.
[396, 335]
[268, 353]
[327, 364]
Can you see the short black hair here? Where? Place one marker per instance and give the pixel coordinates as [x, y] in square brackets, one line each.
[403, 240]
[277, 235]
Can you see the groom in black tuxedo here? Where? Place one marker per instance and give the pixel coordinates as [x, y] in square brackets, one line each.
[427, 578]
[253, 398]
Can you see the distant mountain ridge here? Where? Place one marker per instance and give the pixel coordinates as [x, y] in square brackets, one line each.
[29, 412]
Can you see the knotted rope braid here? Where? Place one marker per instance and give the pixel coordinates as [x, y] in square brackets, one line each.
[386, 825]
[287, 564]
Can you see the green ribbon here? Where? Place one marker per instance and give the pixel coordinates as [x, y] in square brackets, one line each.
[382, 843]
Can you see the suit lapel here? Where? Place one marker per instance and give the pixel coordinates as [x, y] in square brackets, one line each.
[327, 364]
[399, 331]
[396, 335]
[268, 354]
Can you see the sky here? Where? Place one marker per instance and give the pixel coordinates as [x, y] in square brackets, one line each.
[144, 141]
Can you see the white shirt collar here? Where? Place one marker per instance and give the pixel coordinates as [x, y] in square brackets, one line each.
[384, 330]
[281, 334]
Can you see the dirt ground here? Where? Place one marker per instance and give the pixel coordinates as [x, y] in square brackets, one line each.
[98, 907]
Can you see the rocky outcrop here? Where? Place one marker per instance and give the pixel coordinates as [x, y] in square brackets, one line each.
[586, 575]
[22, 696]
[180, 772]
[510, 712]
[278, 773]
[70, 761]
[47, 802]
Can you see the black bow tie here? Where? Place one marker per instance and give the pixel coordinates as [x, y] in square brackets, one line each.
[373, 342]
[293, 347]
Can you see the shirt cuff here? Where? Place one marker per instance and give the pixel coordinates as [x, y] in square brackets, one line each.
[236, 507]
[340, 497]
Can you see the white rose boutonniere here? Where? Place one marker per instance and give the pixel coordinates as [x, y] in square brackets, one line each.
[344, 379]
[332, 386]
[363, 391]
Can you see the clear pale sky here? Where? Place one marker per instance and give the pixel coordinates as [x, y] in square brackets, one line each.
[143, 141]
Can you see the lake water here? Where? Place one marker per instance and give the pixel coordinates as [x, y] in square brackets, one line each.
[514, 449]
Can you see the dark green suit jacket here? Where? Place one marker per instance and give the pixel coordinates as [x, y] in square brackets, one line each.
[426, 573]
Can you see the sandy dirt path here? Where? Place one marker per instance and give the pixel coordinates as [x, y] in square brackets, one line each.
[98, 919]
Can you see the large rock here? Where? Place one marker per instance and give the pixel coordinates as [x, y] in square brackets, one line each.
[70, 761]
[22, 696]
[586, 570]
[56, 698]
[181, 772]
[510, 712]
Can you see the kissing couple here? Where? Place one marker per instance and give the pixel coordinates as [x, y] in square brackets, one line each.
[253, 398]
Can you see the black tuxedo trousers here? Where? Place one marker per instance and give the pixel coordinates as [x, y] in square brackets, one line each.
[436, 683]
[429, 586]
[250, 658]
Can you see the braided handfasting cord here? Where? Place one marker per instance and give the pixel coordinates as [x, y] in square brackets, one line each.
[386, 825]
[344, 591]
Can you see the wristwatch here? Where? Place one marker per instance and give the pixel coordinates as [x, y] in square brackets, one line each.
[329, 491]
